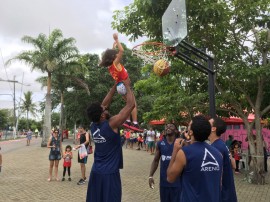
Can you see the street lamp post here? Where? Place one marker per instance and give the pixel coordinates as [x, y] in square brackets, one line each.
[14, 98]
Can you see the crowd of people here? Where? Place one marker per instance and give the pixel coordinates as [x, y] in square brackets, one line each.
[145, 140]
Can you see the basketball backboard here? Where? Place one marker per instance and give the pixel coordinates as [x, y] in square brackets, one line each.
[174, 23]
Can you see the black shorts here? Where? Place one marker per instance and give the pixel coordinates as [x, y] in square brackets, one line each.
[84, 160]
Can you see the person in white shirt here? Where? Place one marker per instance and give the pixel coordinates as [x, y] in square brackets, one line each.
[151, 139]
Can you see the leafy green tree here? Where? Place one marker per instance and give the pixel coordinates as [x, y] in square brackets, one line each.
[48, 55]
[28, 106]
[25, 124]
[55, 119]
[3, 118]
[237, 33]
[68, 75]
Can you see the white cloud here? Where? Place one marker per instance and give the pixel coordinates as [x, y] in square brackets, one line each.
[88, 21]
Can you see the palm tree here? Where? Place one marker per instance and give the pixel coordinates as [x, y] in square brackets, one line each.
[47, 56]
[68, 75]
[28, 106]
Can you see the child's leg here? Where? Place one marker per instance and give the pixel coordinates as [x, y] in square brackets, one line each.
[64, 172]
[134, 115]
[68, 171]
[237, 166]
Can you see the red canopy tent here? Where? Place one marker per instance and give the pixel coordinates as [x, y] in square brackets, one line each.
[236, 120]
[157, 122]
[230, 121]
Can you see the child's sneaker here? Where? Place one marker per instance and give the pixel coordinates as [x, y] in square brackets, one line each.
[137, 127]
[127, 124]
[69, 179]
[63, 179]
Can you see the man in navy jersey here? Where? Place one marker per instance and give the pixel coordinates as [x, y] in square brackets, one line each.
[105, 182]
[228, 193]
[169, 192]
[199, 164]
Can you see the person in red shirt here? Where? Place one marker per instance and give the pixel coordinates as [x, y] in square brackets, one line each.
[111, 59]
[67, 156]
[236, 155]
[128, 137]
[140, 142]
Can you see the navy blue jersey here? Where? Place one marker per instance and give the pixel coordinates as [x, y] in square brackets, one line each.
[166, 150]
[108, 156]
[201, 177]
[228, 193]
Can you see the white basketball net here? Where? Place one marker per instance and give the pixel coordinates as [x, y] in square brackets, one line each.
[150, 52]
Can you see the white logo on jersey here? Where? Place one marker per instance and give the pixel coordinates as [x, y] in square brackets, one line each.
[165, 158]
[209, 162]
[97, 137]
[162, 143]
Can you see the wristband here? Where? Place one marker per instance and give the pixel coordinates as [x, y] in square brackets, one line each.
[150, 177]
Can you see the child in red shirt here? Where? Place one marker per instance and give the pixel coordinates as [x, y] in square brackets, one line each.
[111, 59]
[236, 156]
[67, 162]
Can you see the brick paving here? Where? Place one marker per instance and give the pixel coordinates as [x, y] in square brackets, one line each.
[25, 172]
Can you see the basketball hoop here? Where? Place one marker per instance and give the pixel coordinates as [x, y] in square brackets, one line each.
[150, 52]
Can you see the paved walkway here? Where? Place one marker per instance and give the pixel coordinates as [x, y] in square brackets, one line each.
[25, 172]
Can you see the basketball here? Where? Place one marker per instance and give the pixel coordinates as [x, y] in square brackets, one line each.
[121, 88]
[161, 67]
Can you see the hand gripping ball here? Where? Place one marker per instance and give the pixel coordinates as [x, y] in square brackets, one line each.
[161, 67]
[121, 88]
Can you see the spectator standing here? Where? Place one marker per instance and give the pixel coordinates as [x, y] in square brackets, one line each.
[236, 155]
[83, 140]
[55, 145]
[151, 139]
[67, 156]
[28, 137]
[123, 138]
[128, 136]
[140, 142]
[145, 140]
[229, 141]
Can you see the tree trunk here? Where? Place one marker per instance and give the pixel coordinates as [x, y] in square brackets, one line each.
[47, 121]
[27, 120]
[256, 152]
[62, 115]
[47, 117]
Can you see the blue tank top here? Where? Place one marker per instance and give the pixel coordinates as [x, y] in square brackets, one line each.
[228, 193]
[166, 150]
[201, 177]
[108, 156]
